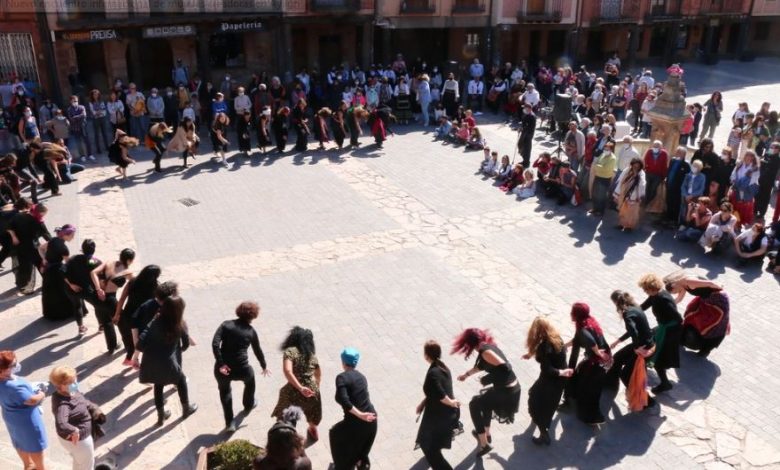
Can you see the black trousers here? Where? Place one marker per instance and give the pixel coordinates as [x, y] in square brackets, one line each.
[158, 150]
[226, 393]
[104, 312]
[350, 442]
[354, 134]
[623, 365]
[126, 331]
[435, 459]
[181, 389]
[524, 147]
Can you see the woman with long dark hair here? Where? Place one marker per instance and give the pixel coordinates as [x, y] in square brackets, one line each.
[56, 303]
[587, 381]
[712, 114]
[632, 355]
[440, 411]
[302, 371]
[162, 344]
[544, 343]
[107, 279]
[502, 398]
[135, 293]
[285, 447]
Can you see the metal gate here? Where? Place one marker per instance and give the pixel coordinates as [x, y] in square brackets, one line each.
[17, 56]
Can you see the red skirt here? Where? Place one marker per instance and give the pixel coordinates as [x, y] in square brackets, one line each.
[744, 210]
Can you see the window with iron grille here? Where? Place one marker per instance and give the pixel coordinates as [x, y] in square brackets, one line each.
[472, 39]
[17, 56]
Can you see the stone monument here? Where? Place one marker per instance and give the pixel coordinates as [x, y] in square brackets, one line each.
[669, 112]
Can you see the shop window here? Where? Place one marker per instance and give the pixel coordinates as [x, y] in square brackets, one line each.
[227, 50]
[762, 31]
[472, 40]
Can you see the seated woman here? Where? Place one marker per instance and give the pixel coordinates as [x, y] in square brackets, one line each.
[697, 219]
[476, 141]
[720, 231]
[706, 318]
[515, 179]
[528, 188]
[542, 165]
[462, 134]
[565, 183]
[752, 244]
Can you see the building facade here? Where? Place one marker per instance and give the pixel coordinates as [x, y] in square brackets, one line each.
[23, 53]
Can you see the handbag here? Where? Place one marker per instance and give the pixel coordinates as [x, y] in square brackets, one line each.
[120, 117]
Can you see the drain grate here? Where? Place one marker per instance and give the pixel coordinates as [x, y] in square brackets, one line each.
[188, 202]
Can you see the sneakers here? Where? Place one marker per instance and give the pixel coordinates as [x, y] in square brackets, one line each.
[128, 363]
[83, 159]
[91, 158]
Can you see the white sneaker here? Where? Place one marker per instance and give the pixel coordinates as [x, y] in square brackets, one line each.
[92, 158]
[83, 159]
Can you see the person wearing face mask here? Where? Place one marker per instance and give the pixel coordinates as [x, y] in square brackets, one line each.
[156, 107]
[692, 189]
[770, 165]
[28, 127]
[242, 103]
[226, 87]
[77, 116]
[73, 417]
[528, 127]
[678, 169]
[47, 111]
[656, 162]
[22, 414]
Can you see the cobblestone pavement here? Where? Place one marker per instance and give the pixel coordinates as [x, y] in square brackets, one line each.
[382, 250]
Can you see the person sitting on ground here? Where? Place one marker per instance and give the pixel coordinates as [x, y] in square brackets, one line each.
[752, 244]
[285, 447]
[444, 129]
[504, 170]
[463, 133]
[490, 164]
[697, 218]
[542, 165]
[527, 189]
[515, 179]
[720, 231]
[564, 183]
[476, 140]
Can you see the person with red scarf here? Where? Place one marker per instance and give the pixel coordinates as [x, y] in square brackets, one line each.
[588, 380]
[379, 120]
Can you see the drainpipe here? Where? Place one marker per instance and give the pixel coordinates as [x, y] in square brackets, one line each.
[47, 38]
[489, 37]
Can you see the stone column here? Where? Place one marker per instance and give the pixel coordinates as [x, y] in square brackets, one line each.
[367, 54]
[204, 65]
[633, 45]
[744, 35]
[283, 49]
[135, 61]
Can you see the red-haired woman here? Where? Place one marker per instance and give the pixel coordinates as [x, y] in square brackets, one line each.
[503, 398]
[587, 383]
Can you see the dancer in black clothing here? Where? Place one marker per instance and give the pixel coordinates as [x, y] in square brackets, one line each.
[25, 229]
[527, 129]
[243, 126]
[56, 302]
[263, 137]
[279, 128]
[78, 273]
[137, 291]
[25, 169]
[301, 123]
[668, 332]
[502, 398]
[588, 379]
[230, 344]
[441, 412]
[544, 343]
[107, 279]
[339, 123]
[351, 439]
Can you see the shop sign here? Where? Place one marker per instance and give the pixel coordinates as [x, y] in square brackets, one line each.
[240, 26]
[169, 31]
[87, 36]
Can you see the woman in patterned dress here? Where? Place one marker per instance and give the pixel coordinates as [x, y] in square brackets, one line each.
[302, 371]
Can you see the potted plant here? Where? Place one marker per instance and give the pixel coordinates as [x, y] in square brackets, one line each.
[231, 455]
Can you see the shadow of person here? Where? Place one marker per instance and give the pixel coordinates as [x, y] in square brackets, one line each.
[696, 378]
[189, 454]
[50, 354]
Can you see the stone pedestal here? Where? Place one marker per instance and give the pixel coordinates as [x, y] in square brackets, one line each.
[669, 113]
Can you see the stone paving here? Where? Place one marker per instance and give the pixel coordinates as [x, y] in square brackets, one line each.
[383, 249]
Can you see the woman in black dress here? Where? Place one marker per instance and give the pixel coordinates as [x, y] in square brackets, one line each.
[544, 343]
[57, 304]
[243, 126]
[503, 398]
[351, 439]
[642, 341]
[301, 124]
[667, 333]
[339, 123]
[280, 129]
[135, 293]
[25, 229]
[162, 344]
[588, 379]
[441, 412]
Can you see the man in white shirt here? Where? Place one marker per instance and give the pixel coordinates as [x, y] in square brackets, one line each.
[531, 96]
[626, 153]
[475, 90]
[517, 74]
[241, 102]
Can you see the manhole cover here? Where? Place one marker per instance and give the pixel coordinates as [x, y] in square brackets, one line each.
[188, 202]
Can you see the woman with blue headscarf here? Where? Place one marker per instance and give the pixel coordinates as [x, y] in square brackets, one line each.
[351, 439]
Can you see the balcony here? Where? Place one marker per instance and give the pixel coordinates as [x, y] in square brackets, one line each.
[615, 11]
[540, 11]
[721, 7]
[331, 6]
[76, 12]
[411, 7]
[468, 6]
[660, 11]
